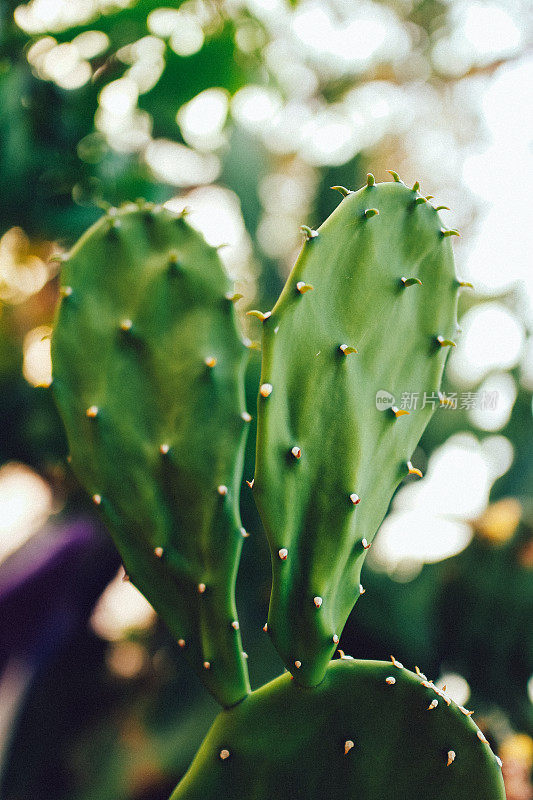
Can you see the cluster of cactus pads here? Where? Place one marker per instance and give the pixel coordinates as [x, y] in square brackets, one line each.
[149, 377]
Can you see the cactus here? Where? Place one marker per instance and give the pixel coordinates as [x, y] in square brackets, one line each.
[371, 730]
[148, 376]
[370, 305]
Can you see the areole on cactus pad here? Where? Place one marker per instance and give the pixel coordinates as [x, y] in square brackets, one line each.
[149, 378]
[368, 311]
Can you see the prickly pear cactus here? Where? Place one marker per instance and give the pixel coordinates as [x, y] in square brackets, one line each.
[148, 376]
[371, 730]
[368, 312]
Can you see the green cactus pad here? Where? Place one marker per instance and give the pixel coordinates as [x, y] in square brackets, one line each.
[148, 376]
[377, 322]
[356, 737]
